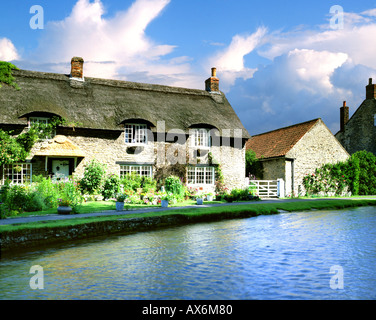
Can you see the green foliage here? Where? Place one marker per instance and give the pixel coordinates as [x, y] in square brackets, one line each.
[70, 195]
[174, 185]
[148, 185]
[6, 74]
[111, 186]
[357, 174]
[131, 182]
[253, 165]
[17, 148]
[42, 194]
[93, 178]
[219, 179]
[177, 169]
[364, 163]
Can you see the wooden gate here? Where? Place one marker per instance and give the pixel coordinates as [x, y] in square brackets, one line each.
[269, 188]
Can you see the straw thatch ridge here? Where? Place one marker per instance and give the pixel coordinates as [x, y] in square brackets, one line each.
[107, 104]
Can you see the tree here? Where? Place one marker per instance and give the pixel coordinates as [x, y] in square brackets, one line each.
[366, 171]
[253, 165]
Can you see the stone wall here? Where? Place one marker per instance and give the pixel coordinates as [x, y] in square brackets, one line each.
[360, 130]
[317, 147]
[273, 169]
[109, 148]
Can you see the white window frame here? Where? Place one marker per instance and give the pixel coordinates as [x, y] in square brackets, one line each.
[200, 175]
[33, 120]
[142, 170]
[135, 134]
[44, 120]
[20, 176]
[200, 138]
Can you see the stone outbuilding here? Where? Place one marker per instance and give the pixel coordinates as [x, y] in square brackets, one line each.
[359, 132]
[128, 126]
[292, 152]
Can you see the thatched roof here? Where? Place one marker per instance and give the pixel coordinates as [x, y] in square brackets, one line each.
[60, 146]
[106, 104]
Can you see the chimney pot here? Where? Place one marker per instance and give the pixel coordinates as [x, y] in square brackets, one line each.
[370, 90]
[212, 84]
[344, 116]
[77, 67]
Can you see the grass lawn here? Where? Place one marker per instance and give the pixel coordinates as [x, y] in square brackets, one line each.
[235, 211]
[99, 206]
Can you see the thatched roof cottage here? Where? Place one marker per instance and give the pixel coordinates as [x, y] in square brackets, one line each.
[130, 127]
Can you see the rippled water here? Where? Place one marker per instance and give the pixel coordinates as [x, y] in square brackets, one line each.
[284, 256]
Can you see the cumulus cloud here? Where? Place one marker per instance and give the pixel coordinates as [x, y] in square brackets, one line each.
[310, 73]
[8, 51]
[116, 47]
[230, 61]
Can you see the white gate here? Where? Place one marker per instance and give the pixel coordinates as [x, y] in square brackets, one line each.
[269, 188]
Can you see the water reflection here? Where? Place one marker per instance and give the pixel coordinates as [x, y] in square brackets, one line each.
[285, 256]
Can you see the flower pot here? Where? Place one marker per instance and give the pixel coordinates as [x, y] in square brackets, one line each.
[164, 203]
[199, 201]
[64, 210]
[209, 198]
[119, 206]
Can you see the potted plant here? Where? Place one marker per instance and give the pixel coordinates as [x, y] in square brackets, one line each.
[199, 199]
[64, 206]
[165, 199]
[209, 196]
[120, 198]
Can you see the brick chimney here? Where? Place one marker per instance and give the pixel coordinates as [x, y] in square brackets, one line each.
[371, 90]
[77, 67]
[344, 116]
[212, 84]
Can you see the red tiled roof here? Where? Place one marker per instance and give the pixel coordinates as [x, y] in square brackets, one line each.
[278, 142]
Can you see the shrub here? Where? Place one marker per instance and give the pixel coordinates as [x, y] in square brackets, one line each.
[239, 194]
[148, 184]
[16, 198]
[131, 182]
[357, 174]
[111, 186]
[70, 195]
[35, 202]
[93, 177]
[174, 185]
[47, 190]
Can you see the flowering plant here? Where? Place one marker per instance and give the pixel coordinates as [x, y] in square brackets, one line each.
[64, 202]
[120, 197]
[167, 196]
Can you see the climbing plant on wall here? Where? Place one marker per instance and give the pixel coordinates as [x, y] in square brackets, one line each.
[6, 74]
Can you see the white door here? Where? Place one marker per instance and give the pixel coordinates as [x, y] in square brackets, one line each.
[60, 169]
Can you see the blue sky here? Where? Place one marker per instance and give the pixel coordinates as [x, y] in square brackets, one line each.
[279, 62]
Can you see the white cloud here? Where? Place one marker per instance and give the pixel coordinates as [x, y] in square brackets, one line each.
[310, 73]
[8, 51]
[116, 47]
[230, 61]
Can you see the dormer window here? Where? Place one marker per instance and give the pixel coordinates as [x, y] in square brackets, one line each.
[201, 138]
[33, 120]
[43, 121]
[136, 134]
